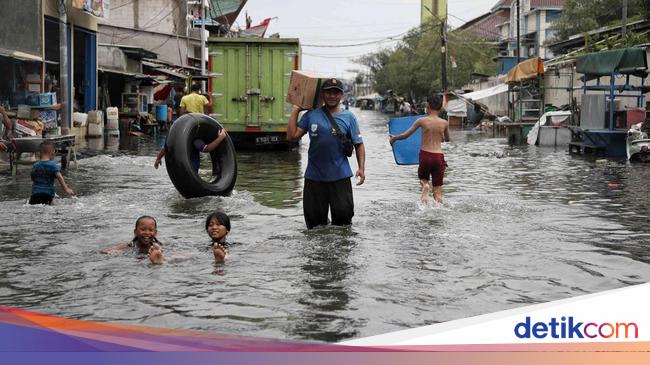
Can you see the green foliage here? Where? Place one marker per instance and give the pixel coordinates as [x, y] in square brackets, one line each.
[413, 67]
[615, 41]
[579, 16]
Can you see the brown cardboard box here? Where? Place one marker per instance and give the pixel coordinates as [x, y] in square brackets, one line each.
[304, 89]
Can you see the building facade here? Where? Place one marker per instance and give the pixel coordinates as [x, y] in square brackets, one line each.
[30, 55]
[535, 20]
[500, 26]
[160, 26]
[170, 28]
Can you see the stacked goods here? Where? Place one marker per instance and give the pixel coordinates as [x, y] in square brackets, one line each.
[50, 118]
[79, 119]
[112, 118]
[24, 112]
[41, 100]
[304, 89]
[95, 123]
[28, 128]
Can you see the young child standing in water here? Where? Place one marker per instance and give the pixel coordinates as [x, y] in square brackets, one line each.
[435, 130]
[217, 225]
[144, 240]
[44, 172]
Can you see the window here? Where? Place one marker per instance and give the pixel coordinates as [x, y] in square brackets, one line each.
[553, 15]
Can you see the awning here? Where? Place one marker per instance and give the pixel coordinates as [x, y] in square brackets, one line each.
[130, 74]
[618, 61]
[21, 56]
[171, 73]
[486, 93]
[456, 108]
[526, 70]
[156, 67]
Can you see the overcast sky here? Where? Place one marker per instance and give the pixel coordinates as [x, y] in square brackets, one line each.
[347, 22]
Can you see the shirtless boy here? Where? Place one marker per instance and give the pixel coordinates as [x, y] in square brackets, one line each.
[435, 130]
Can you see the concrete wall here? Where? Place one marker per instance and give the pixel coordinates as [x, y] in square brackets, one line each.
[159, 26]
[158, 16]
[168, 47]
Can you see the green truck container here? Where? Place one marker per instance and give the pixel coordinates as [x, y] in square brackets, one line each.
[248, 81]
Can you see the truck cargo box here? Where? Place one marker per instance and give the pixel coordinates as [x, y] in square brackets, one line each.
[248, 81]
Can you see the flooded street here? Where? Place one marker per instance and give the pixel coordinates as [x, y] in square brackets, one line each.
[520, 225]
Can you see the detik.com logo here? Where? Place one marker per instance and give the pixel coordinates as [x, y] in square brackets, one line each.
[568, 327]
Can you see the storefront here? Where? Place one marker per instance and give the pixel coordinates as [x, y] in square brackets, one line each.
[30, 60]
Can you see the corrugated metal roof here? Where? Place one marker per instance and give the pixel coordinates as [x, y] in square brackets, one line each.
[485, 25]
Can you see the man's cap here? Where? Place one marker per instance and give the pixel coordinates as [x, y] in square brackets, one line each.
[331, 84]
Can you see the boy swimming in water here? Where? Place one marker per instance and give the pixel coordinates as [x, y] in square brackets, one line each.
[218, 226]
[435, 130]
[144, 240]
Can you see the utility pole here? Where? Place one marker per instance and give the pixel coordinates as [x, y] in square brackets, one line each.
[203, 5]
[518, 39]
[624, 19]
[443, 45]
[63, 67]
[443, 53]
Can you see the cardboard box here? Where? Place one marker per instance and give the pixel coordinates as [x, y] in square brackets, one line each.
[304, 89]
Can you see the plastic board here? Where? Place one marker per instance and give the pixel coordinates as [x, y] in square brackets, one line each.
[406, 151]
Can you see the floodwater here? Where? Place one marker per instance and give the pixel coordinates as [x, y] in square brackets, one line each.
[520, 225]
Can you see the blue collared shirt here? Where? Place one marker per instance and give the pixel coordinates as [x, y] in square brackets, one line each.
[326, 160]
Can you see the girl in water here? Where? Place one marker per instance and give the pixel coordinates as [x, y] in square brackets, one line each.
[217, 225]
[144, 240]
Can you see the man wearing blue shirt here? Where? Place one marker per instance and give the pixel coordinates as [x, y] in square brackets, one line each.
[327, 178]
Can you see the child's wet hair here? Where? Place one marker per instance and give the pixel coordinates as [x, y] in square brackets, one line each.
[435, 102]
[221, 217]
[46, 147]
[146, 217]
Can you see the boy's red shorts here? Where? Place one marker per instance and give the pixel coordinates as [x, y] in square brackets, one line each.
[432, 165]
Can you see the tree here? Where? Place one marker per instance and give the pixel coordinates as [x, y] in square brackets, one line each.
[412, 68]
[579, 16]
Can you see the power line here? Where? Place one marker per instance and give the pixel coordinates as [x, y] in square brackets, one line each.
[146, 26]
[387, 39]
[123, 5]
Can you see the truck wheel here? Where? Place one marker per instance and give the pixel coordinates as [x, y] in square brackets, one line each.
[179, 145]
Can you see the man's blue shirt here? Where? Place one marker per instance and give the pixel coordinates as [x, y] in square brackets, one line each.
[43, 176]
[326, 160]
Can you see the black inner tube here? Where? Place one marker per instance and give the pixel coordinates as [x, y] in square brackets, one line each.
[180, 146]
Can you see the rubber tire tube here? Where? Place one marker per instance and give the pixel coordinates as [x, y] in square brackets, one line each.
[179, 145]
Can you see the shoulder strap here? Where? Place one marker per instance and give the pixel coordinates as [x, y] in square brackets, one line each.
[335, 126]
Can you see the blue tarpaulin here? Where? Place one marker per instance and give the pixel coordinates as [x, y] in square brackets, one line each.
[406, 151]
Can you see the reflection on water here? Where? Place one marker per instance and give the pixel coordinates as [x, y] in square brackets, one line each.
[326, 299]
[274, 177]
[520, 225]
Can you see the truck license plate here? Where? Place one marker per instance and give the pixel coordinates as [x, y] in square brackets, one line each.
[267, 140]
